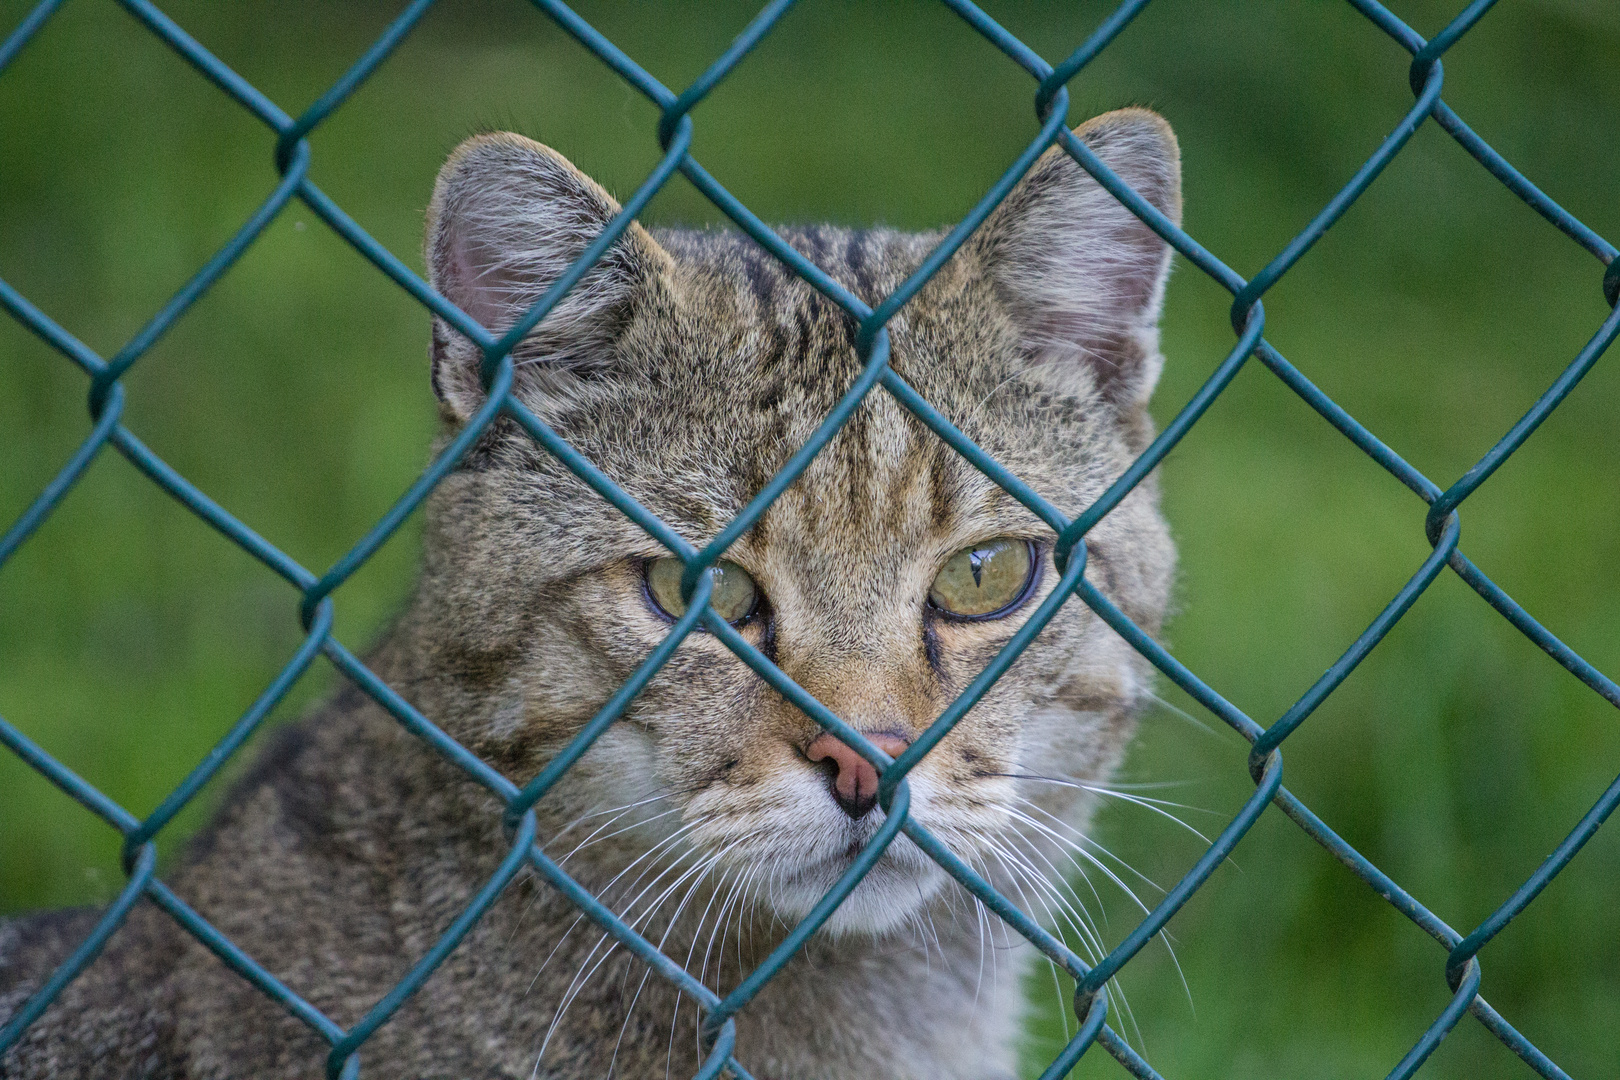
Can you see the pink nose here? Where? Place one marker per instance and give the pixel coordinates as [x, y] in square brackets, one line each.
[853, 780]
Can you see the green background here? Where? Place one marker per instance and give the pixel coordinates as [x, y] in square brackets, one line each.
[295, 393]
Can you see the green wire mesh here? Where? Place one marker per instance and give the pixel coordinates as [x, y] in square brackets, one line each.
[1441, 524]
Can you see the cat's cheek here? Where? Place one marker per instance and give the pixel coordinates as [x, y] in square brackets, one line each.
[962, 650]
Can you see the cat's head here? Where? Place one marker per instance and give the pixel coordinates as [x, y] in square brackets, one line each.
[689, 366]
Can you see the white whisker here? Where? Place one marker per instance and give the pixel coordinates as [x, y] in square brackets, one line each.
[1155, 805]
[1183, 714]
[1085, 838]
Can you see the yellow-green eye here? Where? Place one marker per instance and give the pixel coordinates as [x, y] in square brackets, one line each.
[735, 594]
[985, 580]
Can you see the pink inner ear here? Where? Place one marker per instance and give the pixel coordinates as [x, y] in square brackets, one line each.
[475, 283]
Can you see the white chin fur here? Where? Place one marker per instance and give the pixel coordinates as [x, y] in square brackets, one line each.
[900, 884]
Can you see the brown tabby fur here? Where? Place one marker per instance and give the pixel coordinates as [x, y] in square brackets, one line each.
[688, 366]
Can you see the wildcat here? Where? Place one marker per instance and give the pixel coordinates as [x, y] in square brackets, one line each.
[689, 365]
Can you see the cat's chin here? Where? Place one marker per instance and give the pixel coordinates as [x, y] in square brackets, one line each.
[898, 887]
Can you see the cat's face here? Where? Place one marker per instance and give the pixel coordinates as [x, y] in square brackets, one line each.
[689, 367]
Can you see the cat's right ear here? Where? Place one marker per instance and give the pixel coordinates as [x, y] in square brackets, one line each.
[508, 217]
[1083, 278]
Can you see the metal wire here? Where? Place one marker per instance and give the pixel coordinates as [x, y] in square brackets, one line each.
[1442, 526]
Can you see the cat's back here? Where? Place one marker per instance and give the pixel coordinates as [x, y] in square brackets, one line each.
[114, 1021]
[129, 1014]
[32, 946]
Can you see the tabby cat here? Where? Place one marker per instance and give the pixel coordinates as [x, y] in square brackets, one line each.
[689, 365]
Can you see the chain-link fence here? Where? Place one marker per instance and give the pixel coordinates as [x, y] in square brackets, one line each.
[1461, 969]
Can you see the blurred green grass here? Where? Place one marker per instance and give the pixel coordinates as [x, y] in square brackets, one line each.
[295, 393]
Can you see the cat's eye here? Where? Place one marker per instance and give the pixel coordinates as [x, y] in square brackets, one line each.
[735, 594]
[986, 580]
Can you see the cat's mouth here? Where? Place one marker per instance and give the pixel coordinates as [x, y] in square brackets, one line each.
[792, 854]
[899, 882]
[860, 835]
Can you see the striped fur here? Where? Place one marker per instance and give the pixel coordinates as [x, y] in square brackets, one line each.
[689, 366]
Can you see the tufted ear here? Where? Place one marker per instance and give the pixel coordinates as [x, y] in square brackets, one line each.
[509, 216]
[1082, 277]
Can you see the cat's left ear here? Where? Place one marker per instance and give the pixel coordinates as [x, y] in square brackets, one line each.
[1082, 277]
[508, 218]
